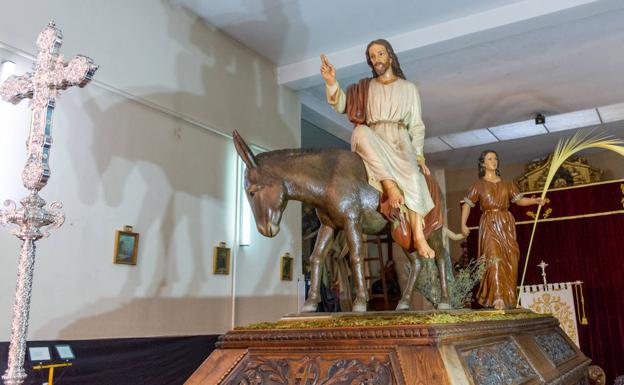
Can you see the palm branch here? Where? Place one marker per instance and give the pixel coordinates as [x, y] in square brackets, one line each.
[566, 148]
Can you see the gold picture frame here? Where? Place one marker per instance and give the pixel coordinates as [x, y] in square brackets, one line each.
[286, 267]
[221, 260]
[126, 246]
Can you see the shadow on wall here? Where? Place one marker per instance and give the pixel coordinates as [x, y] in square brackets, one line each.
[174, 178]
[226, 77]
[259, 82]
[158, 316]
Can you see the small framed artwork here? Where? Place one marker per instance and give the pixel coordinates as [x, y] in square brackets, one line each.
[126, 246]
[286, 267]
[221, 259]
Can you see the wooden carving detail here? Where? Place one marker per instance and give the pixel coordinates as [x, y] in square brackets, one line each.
[574, 171]
[500, 363]
[257, 371]
[309, 371]
[351, 372]
[232, 339]
[556, 348]
[595, 376]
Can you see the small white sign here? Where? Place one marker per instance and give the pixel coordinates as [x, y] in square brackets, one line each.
[39, 353]
[64, 352]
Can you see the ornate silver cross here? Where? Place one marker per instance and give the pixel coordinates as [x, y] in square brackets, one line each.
[33, 220]
[51, 74]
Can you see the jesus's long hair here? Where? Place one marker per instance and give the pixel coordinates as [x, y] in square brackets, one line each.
[396, 67]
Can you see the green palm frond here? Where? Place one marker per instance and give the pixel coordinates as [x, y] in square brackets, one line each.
[566, 148]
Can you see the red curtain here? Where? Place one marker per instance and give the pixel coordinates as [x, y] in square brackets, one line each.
[589, 249]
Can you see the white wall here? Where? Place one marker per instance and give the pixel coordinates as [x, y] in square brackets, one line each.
[119, 162]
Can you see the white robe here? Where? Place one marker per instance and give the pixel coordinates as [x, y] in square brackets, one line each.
[392, 139]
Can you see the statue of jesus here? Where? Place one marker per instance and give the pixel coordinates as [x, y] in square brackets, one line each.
[389, 133]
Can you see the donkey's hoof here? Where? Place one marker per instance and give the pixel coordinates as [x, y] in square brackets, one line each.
[310, 306]
[444, 306]
[403, 305]
[359, 305]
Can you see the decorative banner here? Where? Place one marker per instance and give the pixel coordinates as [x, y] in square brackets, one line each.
[556, 299]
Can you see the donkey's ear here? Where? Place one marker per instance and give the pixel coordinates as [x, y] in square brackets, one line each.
[244, 151]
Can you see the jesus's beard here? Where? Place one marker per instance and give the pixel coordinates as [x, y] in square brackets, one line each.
[381, 68]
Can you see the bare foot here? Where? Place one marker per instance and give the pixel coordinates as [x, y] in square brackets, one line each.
[499, 304]
[423, 248]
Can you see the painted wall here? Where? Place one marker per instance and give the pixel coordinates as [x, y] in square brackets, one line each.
[146, 145]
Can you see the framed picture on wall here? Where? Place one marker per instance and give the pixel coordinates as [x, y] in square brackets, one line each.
[286, 267]
[126, 246]
[221, 259]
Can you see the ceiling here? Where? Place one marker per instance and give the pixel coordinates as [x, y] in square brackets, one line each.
[477, 64]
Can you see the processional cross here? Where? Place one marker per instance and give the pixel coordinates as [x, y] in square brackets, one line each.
[33, 220]
[542, 266]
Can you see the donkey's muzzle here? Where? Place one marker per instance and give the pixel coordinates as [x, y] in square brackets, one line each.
[269, 230]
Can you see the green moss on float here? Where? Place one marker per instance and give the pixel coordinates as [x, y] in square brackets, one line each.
[421, 318]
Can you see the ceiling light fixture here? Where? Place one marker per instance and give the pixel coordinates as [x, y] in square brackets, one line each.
[469, 138]
[612, 113]
[435, 144]
[518, 130]
[570, 120]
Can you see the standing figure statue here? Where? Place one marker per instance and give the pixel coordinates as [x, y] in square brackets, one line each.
[389, 133]
[497, 232]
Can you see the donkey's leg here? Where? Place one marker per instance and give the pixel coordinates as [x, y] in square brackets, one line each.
[415, 266]
[353, 231]
[436, 240]
[322, 245]
[445, 302]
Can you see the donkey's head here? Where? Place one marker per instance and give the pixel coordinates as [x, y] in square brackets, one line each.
[265, 191]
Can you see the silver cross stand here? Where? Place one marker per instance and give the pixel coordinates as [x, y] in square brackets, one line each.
[33, 220]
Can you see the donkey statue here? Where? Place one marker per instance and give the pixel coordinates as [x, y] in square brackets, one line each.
[335, 183]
